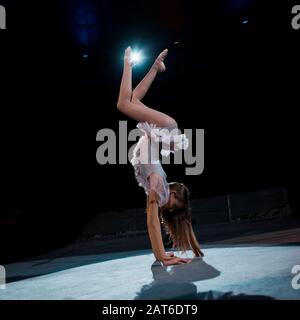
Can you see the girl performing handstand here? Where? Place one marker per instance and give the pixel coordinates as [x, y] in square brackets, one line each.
[170, 200]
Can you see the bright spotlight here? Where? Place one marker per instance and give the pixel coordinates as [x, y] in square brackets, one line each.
[136, 57]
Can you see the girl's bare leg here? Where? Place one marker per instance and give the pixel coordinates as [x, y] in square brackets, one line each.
[158, 66]
[126, 82]
[129, 102]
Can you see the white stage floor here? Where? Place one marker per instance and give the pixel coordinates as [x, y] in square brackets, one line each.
[225, 272]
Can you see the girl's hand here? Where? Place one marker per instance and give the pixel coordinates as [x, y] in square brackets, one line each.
[175, 260]
[170, 254]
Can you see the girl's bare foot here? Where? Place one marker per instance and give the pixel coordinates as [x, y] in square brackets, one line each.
[127, 56]
[159, 62]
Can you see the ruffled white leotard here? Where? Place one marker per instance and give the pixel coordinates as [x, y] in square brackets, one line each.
[146, 161]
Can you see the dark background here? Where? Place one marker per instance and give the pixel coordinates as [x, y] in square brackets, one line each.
[61, 66]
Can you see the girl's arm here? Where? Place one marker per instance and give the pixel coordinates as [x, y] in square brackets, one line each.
[154, 228]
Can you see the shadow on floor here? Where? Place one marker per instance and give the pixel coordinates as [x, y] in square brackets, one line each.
[177, 284]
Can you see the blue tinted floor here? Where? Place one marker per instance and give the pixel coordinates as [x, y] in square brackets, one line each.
[232, 272]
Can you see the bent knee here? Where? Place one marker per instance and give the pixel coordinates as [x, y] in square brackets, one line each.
[121, 105]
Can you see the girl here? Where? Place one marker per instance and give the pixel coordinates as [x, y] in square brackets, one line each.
[171, 198]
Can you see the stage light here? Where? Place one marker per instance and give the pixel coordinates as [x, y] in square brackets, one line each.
[136, 57]
[85, 56]
[245, 21]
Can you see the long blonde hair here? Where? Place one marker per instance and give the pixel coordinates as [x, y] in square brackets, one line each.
[178, 222]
